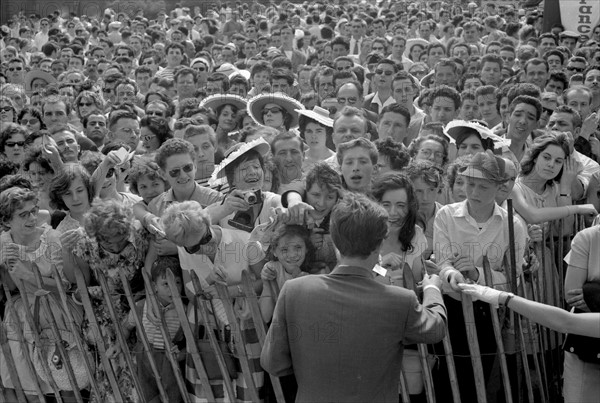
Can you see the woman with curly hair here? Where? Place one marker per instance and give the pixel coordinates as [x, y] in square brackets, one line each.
[25, 244]
[40, 172]
[86, 103]
[109, 245]
[429, 148]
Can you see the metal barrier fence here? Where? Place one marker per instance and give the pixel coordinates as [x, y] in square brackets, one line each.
[80, 371]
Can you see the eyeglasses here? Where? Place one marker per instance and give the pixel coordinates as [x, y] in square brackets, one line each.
[148, 137]
[15, 68]
[205, 239]
[428, 153]
[29, 121]
[386, 72]
[344, 68]
[174, 173]
[11, 144]
[200, 68]
[576, 69]
[547, 110]
[418, 72]
[272, 110]
[86, 104]
[110, 173]
[6, 109]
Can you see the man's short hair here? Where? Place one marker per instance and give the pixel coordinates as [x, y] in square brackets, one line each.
[118, 115]
[171, 147]
[580, 88]
[396, 108]
[577, 121]
[525, 99]
[360, 142]
[447, 92]
[358, 226]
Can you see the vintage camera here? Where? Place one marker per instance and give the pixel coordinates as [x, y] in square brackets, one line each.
[253, 197]
[244, 220]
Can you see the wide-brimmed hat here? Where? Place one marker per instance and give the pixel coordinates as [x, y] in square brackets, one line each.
[235, 152]
[37, 74]
[216, 100]
[487, 166]
[318, 114]
[457, 127]
[257, 103]
[412, 42]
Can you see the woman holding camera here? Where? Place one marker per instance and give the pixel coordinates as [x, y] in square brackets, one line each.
[246, 206]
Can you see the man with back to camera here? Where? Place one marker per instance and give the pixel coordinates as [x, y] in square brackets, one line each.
[343, 334]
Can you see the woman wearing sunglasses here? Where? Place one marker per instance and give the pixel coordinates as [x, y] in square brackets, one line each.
[86, 103]
[12, 142]
[8, 113]
[31, 119]
[275, 110]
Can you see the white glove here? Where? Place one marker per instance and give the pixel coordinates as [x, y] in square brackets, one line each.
[482, 293]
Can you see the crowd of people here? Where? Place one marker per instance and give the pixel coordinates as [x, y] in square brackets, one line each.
[296, 142]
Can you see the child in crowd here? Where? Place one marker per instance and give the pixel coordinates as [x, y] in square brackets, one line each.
[291, 254]
[146, 181]
[149, 319]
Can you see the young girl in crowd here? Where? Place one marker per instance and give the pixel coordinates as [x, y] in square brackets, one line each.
[291, 254]
[146, 181]
[146, 312]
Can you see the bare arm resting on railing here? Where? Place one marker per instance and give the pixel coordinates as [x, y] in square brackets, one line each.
[585, 324]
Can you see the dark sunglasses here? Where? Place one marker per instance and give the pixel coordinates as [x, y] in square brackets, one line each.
[387, 72]
[273, 110]
[15, 68]
[576, 69]
[174, 173]
[11, 144]
[86, 104]
[6, 109]
[29, 121]
[200, 68]
[205, 239]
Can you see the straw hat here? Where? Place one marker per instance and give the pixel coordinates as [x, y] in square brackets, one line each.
[456, 127]
[412, 42]
[37, 75]
[216, 100]
[318, 114]
[257, 103]
[235, 152]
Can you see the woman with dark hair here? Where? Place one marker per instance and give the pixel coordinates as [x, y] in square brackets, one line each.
[547, 172]
[316, 129]
[12, 142]
[226, 107]
[406, 240]
[40, 172]
[154, 132]
[473, 137]
[72, 191]
[31, 119]
[275, 110]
